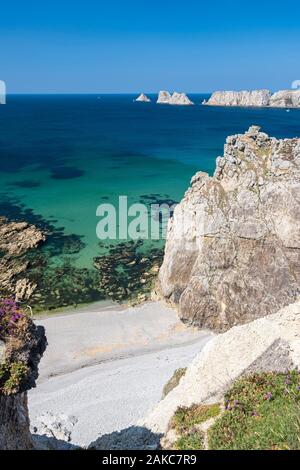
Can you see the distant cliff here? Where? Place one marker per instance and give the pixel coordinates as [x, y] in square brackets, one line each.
[233, 245]
[259, 98]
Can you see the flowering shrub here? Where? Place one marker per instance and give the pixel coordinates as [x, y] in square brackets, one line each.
[10, 316]
[14, 327]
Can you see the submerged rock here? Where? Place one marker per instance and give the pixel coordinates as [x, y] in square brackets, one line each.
[260, 98]
[233, 245]
[144, 98]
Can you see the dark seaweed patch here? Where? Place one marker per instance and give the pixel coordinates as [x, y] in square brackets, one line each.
[66, 172]
[27, 184]
[126, 272]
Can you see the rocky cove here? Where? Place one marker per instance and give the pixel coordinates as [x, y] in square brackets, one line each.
[231, 262]
[37, 266]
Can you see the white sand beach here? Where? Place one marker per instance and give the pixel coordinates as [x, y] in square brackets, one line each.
[106, 366]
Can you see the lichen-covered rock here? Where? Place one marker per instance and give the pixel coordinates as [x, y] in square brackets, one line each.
[260, 98]
[233, 245]
[16, 239]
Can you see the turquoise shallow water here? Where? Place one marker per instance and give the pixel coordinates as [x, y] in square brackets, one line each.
[63, 155]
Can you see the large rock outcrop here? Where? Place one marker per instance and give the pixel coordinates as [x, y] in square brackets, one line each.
[14, 423]
[16, 239]
[259, 98]
[270, 344]
[176, 98]
[21, 346]
[233, 245]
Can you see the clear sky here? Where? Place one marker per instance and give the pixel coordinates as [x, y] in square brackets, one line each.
[120, 46]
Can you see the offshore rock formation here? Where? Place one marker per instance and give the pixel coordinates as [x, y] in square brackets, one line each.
[143, 98]
[259, 98]
[16, 239]
[270, 344]
[239, 98]
[176, 98]
[164, 97]
[285, 99]
[233, 244]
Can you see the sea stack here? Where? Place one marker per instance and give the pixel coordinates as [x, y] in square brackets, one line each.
[164, 97]
[143, 98]
[176, 98]
[180, 99]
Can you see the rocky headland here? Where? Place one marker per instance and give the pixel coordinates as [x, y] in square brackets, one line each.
[233, 248]
[258, 98]
[164, 97]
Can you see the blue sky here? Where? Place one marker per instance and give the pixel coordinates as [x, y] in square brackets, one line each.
[132, 46]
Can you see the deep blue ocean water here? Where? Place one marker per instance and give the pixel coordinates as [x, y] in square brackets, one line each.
[63, 155]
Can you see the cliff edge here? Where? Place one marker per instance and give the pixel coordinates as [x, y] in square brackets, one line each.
[233, 245]
[21, 346]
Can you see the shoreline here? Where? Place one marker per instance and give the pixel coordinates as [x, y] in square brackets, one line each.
[73, 310]
[98, 366]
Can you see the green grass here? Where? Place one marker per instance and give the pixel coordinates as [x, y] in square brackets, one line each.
[262, 412]
[174, 381]
[192, 440]
[186, 421]
[11, 377]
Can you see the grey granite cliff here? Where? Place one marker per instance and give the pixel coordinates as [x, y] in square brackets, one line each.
[233, 245]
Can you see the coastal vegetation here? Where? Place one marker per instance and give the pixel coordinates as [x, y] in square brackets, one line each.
[174, 381]
[259, 412]
[14, 331]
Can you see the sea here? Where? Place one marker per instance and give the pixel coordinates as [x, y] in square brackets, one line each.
[61, 156]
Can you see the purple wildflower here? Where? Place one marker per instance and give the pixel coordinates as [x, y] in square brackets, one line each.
[268, 396]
